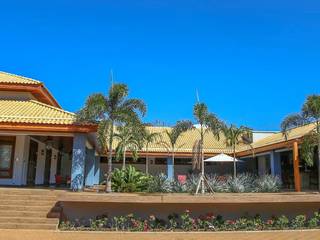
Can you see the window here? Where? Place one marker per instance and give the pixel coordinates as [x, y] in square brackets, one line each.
[6, 156]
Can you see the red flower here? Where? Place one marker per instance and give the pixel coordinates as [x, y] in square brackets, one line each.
[270, 222]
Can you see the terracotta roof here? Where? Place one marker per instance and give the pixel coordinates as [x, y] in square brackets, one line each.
[186, 141]
[34, 112]
[15, 79]
[294, 133]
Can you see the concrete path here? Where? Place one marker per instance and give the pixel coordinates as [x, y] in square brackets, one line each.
[56, 235]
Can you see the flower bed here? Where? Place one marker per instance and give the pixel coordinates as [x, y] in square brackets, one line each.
[186, 222]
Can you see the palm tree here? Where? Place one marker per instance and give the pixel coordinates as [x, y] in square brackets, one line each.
[173, 135]
[109, 111]
[310, 114]
[130, 137]
[149, 138]
[233, 137]
[208, 122]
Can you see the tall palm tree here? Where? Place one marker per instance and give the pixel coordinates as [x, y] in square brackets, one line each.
[233, 137]
[109, 111]
[130, 138]
[310, 114]
[149, 138]
[208, 123]
[173, 135]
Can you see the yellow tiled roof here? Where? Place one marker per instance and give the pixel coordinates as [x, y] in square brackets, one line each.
[31, 111]
[15, 79]
[186, 141]
[279, 137]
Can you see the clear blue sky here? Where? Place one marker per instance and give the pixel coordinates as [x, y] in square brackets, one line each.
[252, 62]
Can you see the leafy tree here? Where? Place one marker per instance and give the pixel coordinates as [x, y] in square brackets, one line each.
[109, 111]
[173, 135]
[310, 114]
[233, 137]
[129, 137]
[149, 138]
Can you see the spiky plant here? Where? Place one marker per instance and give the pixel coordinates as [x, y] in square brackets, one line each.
[310, 114]
[109, 111]
[235, 136]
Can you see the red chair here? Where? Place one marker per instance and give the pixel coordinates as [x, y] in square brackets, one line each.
[58, 179]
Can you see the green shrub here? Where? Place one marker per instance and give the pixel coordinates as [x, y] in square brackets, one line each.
[299, 222]
[241, 183]
[159, 183]
[281, 222]
[130, 180]
[268, 183]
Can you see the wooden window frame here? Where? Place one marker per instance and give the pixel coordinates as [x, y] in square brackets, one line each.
[8, 141]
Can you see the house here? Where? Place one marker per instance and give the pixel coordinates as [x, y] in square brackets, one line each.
[39, 140]
[42, 144]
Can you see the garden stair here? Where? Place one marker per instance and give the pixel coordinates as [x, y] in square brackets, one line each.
[28, 209]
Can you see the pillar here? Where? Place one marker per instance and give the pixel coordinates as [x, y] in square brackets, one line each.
[170, 168]
[296, 171]
[91, 168]
[78, 162]
[275, 164]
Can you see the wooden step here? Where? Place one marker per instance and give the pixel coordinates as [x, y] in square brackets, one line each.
[28, 220]
[28, 197]
[27, 203]
[25, 208]
[37, 214]
[28, 226]
[22, 191]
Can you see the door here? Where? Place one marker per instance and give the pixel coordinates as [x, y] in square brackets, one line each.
[32, 163]
[47, 167]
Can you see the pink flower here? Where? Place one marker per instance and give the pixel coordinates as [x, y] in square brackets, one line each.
[152, 217]
[270, 222]
[187, 211]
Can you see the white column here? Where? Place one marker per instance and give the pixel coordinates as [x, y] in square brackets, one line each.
[41, 160]
[53, 167]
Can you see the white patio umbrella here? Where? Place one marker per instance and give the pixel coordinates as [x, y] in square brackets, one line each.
[221, 158]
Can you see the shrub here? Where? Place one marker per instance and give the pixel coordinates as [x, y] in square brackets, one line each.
[299, 222]
[129, 180]
[281, 222]
[268, 183]
[241, 183]
[187, 222]
[159, 183]
[217, 184]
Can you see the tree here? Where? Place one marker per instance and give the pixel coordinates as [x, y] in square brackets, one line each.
[173, 135]
[208, 123]
[149, 138]
[110, 111]
[233, 137]
[310, 114]
[130, 137]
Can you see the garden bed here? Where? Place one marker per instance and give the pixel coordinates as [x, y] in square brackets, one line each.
[185, 222]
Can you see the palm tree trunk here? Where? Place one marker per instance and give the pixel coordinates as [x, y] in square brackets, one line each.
[124, 158]
[147, 161]
[234, 162]
[173, 163]
[319, 162]
[108, 187]
[202, 160]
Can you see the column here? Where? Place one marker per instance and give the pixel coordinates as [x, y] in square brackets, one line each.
[53, 167]
[296, 170]
[97, 170]
[170, 168]
[90, 168]
[275, 164]
[78, 162]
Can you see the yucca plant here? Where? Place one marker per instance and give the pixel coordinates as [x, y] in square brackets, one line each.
[268, 183]
[160, 183]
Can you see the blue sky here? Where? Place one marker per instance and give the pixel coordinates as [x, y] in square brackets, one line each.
[253, 62]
